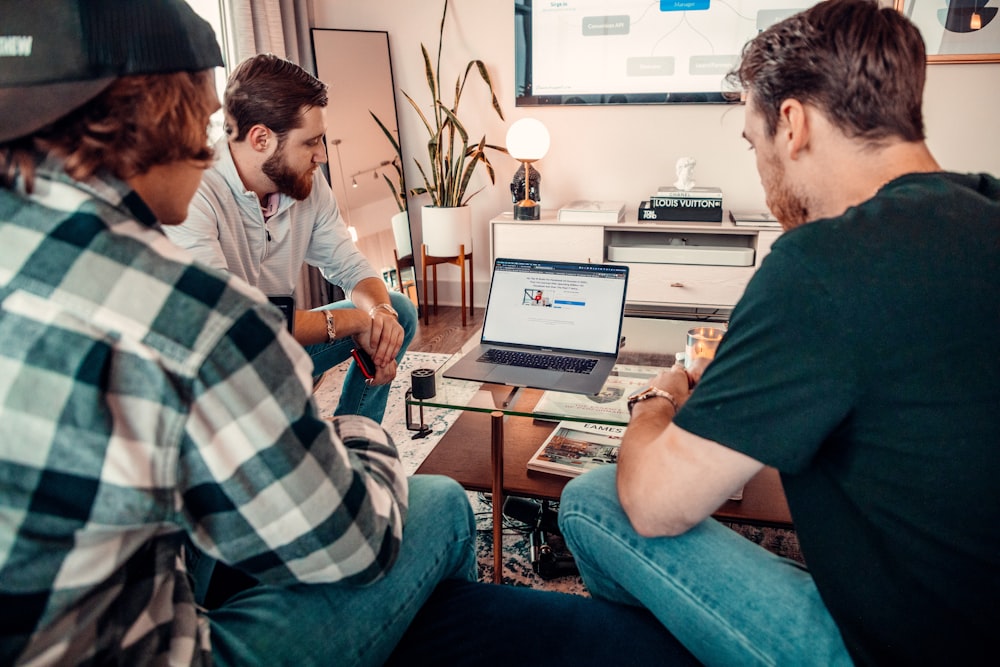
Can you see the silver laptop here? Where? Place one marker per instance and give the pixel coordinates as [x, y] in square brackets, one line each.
[549, 325]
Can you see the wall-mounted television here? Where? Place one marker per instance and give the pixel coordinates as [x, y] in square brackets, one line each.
[635, 51]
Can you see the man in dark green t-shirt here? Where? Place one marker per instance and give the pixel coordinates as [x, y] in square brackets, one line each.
[858, 363]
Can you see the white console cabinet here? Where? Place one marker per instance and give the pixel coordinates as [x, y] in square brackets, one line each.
[671, 264]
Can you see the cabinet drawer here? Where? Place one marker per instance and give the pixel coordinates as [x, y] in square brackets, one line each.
[565, 243]
[687, 284]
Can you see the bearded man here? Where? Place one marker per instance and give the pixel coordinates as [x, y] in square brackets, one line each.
[842, 367]
[263, 209]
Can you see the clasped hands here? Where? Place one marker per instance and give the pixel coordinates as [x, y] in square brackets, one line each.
[382, 341]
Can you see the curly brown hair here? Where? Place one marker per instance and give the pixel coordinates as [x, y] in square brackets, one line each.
[138, 122]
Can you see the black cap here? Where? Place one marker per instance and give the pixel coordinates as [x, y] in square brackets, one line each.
[56, 55]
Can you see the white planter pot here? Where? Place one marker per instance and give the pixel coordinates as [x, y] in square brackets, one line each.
[444, 229]
[401, 234]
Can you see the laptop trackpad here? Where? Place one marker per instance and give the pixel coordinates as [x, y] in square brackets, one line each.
[524, 377]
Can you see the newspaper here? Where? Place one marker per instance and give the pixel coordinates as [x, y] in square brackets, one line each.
[611, 404]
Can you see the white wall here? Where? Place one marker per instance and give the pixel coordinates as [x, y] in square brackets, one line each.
[616, 152]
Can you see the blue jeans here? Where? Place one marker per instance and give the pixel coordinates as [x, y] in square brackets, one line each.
[358, 398]
[335, 624]
[728, 600]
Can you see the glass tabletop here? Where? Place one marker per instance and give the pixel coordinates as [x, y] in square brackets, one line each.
[650, 345]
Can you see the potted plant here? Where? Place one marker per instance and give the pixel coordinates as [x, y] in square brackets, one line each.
[452, 160]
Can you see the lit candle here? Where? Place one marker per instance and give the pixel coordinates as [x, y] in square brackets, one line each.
[701, 343]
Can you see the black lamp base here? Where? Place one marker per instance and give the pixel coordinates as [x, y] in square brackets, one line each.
[527, 212]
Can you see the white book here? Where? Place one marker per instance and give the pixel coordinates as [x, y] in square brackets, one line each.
[753, 219]
[592, 211]
[693, 193]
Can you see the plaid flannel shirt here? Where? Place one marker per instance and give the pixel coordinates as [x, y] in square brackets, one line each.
[144, 398]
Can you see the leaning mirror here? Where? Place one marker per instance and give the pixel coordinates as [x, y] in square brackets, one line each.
[364, 165]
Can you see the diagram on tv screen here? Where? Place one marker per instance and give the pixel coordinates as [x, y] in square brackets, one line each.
[588, 47]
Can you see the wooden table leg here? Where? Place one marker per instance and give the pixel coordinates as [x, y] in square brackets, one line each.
[496, 456]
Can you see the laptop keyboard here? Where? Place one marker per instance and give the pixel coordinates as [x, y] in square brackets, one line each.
[535, 360]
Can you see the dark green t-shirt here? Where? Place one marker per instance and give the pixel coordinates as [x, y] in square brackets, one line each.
[863, 363]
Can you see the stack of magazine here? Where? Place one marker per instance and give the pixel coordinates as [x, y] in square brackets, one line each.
[573, 448]
[576, 447]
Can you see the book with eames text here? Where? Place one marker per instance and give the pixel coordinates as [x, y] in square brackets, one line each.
[575, 447]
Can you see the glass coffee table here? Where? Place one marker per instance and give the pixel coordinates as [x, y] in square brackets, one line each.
[508, 418]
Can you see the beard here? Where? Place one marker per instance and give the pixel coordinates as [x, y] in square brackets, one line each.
[295, 185]
[790, 208]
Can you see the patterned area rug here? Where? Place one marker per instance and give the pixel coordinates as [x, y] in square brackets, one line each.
[517, 561]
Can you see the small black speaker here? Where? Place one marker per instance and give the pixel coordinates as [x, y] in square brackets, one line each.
[422, 383]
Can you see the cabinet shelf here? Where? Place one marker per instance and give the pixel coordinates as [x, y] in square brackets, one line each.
[673, 264]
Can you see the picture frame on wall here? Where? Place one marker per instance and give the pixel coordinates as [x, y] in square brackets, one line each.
[956, 31]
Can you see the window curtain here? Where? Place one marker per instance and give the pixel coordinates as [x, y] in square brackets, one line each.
[280, 27]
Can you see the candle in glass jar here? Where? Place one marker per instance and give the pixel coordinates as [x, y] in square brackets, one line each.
[701, 344]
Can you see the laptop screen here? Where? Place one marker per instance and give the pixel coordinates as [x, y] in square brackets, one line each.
[556, 305]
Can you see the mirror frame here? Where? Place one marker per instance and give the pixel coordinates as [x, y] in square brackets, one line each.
[356, 65]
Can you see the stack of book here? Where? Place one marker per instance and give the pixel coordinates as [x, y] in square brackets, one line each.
[694, 205]
[574, 448]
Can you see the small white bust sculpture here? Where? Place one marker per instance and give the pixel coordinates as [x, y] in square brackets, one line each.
[685, 173]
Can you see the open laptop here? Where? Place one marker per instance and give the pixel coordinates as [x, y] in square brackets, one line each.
[549, 325]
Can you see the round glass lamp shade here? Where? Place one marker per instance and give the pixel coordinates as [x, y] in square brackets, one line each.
[527, 139]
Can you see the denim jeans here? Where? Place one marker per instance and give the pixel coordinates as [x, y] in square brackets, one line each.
[335, 624]
[728, 600]
[358, 398]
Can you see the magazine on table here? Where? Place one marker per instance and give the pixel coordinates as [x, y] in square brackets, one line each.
[573, 448]
[610, 404]
[576, 447]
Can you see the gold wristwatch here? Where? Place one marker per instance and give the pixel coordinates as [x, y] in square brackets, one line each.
[648, 393]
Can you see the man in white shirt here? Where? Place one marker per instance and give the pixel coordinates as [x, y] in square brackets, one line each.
[263, 209]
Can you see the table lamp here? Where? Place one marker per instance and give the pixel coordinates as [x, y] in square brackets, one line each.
[527, 141]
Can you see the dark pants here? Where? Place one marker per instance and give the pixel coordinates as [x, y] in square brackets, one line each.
[477, 624]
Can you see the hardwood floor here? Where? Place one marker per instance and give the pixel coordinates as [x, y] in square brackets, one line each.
[445, 333]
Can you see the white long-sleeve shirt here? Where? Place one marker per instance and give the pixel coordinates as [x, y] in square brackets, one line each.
[225, 229]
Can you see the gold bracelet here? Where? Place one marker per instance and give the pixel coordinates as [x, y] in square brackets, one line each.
[382, 306]
[331, 328]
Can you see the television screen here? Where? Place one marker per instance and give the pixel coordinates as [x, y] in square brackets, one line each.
[635, 51]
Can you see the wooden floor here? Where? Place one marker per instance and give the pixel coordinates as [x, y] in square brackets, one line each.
[445, 333]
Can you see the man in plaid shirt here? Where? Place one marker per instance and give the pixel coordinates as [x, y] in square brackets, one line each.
[152, 409]
[146, 401]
